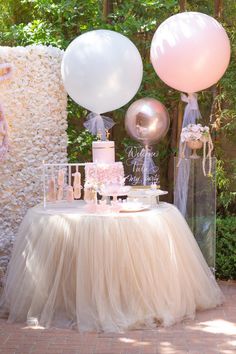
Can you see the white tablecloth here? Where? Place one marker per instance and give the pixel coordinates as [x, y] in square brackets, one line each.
[106, 271]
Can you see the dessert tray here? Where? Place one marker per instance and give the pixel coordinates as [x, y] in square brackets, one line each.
[144, 192]
[114, 191]
[155, 192]
[130, 207]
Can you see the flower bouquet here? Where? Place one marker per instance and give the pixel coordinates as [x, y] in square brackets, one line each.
[195, 136]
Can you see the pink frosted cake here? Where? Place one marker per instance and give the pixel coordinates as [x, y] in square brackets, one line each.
[104, 169]
[104, 173]
[103, 151]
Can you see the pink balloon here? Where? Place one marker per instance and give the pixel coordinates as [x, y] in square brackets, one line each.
[190, 51]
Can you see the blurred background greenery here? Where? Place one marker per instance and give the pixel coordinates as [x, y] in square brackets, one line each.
[58, 22]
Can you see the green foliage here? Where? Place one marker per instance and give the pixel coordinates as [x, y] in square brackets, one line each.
[82, 140]
[226, 248]
[226, 198]
[35, 32]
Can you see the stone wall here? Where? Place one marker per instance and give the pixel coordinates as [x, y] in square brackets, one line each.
[34, 102]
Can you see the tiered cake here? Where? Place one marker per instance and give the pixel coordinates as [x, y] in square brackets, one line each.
[103, 152]
[106, 169]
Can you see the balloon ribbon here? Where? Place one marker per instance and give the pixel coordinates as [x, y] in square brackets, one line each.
[97, 124]
[191, 114]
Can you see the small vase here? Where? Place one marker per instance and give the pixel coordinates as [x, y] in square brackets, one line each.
[194, 145]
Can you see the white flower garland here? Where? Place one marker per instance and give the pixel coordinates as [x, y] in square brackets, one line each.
[34, 103]
[5, 74]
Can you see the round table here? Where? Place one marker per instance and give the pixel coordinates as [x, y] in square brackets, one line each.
[110, 272]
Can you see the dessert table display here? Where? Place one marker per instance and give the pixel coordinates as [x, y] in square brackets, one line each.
[105, 265]
[102, 263]
[63, 182]
[106, 271]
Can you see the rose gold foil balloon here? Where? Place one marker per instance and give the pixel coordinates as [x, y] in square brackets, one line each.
[147, 121]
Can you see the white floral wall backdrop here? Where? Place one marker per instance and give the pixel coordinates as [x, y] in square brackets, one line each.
[34, 102]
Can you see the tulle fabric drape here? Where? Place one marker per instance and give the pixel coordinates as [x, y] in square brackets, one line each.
[191, 114]
[106, 272]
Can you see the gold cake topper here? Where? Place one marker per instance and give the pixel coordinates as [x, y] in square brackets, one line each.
[107, 134]
[99, 135]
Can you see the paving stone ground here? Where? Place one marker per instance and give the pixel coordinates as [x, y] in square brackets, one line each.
[212, 332]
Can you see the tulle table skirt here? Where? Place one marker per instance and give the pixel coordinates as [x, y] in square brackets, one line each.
[106, 272]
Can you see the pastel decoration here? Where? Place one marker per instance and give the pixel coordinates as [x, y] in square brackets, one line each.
[98, 125]
[60, 193]
[77, 185]
[69, 194]
[147, 121]
[103, 207]
[190, 51]
[61, 177]
[103, 151]
[102, 70]
[52, 190]
[102, 172]
[208, 155]
[116, 206]
[90, 207]
[195, 136]
[90, 194]
[87, 194]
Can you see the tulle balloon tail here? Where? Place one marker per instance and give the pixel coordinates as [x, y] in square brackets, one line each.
[191, 114]
[97, 124]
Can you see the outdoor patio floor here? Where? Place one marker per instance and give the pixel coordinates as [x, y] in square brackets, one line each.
[213, 331]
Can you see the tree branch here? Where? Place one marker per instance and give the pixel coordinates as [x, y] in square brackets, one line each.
[218, 8]
[107, 9]
[216, 105]
[182, 5]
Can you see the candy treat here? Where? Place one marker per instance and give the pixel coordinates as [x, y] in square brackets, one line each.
[77, 185]
[90, 193]
[69, 194]
[52, 190]
[60, 193]
[60, 178]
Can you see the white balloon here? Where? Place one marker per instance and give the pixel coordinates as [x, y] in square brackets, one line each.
[102, 70]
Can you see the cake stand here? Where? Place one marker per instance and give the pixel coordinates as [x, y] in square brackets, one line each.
[111, 192]
[155, 193]
[152, 194]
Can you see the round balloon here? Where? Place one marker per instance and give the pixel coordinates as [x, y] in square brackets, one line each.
[102, 70]
[147, 121]
[190, 51]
